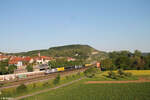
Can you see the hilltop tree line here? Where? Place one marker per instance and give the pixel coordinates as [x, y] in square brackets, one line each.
[75, 51]
[126, 60]
[64, 63]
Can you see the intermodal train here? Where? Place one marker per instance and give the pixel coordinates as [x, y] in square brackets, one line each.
[49, 71]
[36, 73]
[21, 75]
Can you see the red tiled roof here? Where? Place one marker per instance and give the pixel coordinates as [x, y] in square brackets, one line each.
[14, 60]
[2, 56]
[71, 59]
[27, 59]
[37, 58]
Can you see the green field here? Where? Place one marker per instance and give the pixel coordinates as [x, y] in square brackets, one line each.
[112, 91]
[38, 86]
[81, 91]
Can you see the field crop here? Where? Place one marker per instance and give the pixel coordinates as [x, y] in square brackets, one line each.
[81, 91]
[38, 86]
[139, 72]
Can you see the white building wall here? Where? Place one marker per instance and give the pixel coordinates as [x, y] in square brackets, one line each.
[19, 63]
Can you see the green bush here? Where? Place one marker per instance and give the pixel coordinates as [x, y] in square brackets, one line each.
[128, 74]
[57, 79]
[22, 88]
[67, 77]
[112, 75]
[120, 72]
[45, 84]
[78, 74]
[90, 72]
[73, 76]
[1, 84]
[123, 74]
[91, 75]
[34, 85]
[29, 68]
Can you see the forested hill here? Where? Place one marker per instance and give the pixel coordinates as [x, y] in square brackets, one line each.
[77, 51]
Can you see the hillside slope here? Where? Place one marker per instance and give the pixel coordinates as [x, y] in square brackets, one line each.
[76, 51]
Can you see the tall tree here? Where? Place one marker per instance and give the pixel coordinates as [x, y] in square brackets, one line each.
[137, 53]
[11, 69]
[107, 64]
[29, 68]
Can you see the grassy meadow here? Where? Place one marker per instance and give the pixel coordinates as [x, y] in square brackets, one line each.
[82, 91]
[38, 86]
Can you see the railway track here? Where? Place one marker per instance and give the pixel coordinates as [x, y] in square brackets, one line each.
[39, 78]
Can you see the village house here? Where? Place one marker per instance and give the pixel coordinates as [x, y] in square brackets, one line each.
[70, 59]
[15, 61]
[42, 59]
[3, 57]
[20, 61]
[28, 59]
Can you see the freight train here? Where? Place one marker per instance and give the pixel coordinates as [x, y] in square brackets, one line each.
[21, 75]
[38, 73]
[49, 71]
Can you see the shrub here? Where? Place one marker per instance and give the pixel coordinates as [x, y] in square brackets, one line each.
[67, 77]
[120, 72]
[2, 94]
[34, 85]
[57, 79]
[128, 74]
[29, 68]
[91, 75]
[78, 74]
[73, 76]
[21, 88]
[123, 74]
[45, 84]
[90, 72]
[1, 84]
[112, 75]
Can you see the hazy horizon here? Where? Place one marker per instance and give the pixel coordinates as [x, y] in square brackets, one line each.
[75, 44]
[107, 25]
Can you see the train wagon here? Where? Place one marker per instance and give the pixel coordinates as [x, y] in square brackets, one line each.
[9, 77]
[1, 77]
[22, 76]
[69, 67]
[87, 65]
[36, 73]
[60, 69]
[78, 67]
[48, 71]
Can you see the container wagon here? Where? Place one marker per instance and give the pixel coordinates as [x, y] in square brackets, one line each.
[60, 69]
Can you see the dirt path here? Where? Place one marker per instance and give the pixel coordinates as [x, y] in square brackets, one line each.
[42, 91]
[141, 80]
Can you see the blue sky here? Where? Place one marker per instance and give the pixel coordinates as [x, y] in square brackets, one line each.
[106, 25]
